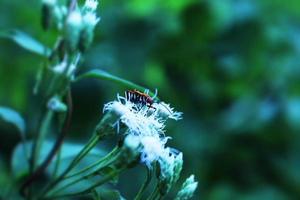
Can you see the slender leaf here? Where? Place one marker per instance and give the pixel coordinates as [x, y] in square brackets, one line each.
[12, 117]
[25, 41]
[103, 75]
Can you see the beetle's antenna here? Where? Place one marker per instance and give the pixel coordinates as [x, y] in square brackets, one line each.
[165, 105]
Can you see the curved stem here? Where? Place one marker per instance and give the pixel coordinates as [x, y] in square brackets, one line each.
[88, 147]
[145, 185]
[56, 146]
[98, 162]
[153, 194]
[86, 176]
[92, 187]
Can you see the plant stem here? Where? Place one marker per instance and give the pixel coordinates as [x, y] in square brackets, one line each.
[42, 135]
[87, 175]
[92, 187]
[57, 163]
[88, 147]
[153, 194]
[98, 162]
[145, 185]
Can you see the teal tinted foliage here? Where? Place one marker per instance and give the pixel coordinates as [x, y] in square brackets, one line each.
[231, 66]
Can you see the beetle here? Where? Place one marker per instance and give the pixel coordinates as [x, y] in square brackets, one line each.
[138, 97]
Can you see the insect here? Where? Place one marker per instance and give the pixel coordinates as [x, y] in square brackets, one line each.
[141, 98]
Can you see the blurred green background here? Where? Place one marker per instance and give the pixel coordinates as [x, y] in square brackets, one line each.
[232, 67]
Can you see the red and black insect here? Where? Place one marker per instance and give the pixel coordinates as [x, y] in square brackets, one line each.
[141, 98]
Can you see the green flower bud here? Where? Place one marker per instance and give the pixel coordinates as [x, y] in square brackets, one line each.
[187, 190]
[87, 34]
[59, 14]
[170, 166]
[73, 29]
[56, 105]
[130, 151]
[106, 127]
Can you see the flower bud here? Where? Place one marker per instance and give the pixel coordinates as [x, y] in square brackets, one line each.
[73, 29]
[87, 34]
[187, 190]
[59, 14]
[107, 125]
[170, 166]
[130, 151]
[56, 105]
[64, 68]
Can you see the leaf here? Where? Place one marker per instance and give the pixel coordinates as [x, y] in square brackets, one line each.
[13, 117]
[103, 75]
[20, 166]
[26, 41]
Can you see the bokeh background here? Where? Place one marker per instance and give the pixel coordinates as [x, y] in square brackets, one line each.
[232, 67]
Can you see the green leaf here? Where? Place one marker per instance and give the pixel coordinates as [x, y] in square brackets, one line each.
[103, 75]
[13, 117]
[20, 165]
[25, 41]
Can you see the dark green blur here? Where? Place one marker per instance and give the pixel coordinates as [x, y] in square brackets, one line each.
[232, 67]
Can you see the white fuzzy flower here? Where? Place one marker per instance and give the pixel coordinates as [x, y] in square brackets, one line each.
[91, 4]
[148, 124]
[137, 121]
[153, 148]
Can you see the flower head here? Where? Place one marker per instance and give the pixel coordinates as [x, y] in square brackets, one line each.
[146, 123]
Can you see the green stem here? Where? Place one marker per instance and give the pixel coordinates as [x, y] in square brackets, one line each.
[145, 185]
[153, 194]
[97, 163]
[88, 147]
[57, 163]
[92, 187]
[41, 136]
[87, 175]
